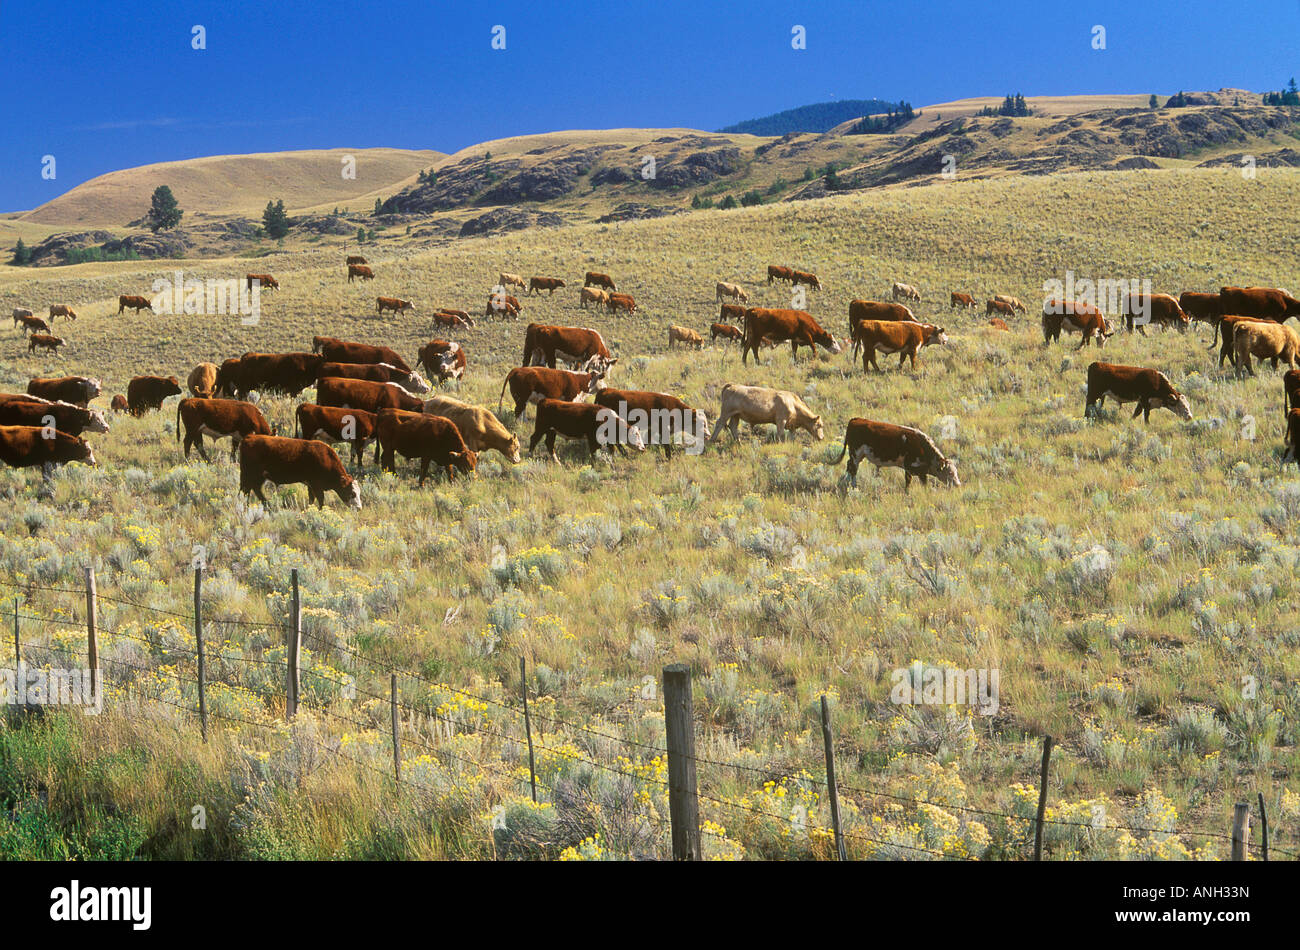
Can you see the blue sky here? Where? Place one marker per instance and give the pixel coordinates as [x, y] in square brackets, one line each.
[112, 84]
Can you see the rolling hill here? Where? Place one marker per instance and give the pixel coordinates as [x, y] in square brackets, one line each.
[818, 117]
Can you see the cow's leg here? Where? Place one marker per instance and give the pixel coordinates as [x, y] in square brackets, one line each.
[538, 434]
[550, 445]
[424, 470]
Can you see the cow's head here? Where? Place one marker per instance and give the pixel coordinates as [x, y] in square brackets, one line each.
[96, 421]
[946, 472]
[93, 388]
[599, 364]
[467, 461]
[417, 384]
[595, 382]
[1177, 404]
[172, 386]
[816, 429]
[935, 335]
[513, 450]
[350, 491]
[635, 439]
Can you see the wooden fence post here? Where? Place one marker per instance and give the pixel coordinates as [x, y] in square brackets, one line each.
[293, 646]
[1263, 825]
[830, 781]
[1240, 830]
[528, 729]
[1042, 799]
[18, 655]
[92, 635]
[683, 800]
[397, 748]
[198, 646]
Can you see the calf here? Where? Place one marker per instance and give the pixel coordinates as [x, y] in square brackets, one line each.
[905, 339]
[431, 439]
[593, 295]
[36, 324]
[1147, 387]
[119, 404]
[62, 416]
[658, 416]
[29, 446]
[684, 335]
[535, 383]
[726, 331]
[218, 419]
[395, 304]
[620, 302]
[62, 310]
[264, 458]
[452, 318]
[148, 392]
[202, 383]
[359, 271]
[883, 445]
[264, 280]
[594, 279]
[596, 425]
[759, 405]
[481, 430]
[999, 306]
[956, 300]
[45, 341]
[356, 427]
[538, 284]
[78, 390]
[997, 323]
[503, 304]
[135, 302]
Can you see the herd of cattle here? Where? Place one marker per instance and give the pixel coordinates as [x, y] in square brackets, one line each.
[367, 394]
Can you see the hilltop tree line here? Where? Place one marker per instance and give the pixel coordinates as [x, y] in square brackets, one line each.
[1011, 105]
[899, 114]
[1290, 96]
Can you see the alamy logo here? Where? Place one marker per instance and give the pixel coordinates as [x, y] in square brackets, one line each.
[1108, 294]
[38, 686]
[134, 904]
[657, 427]
[924, 685]
[208, 296]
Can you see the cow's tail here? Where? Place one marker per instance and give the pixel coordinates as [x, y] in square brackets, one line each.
[502, 397]
[178, 419]
[843, 451]
[297, 423]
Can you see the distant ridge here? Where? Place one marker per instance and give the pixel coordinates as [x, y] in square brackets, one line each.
[818, 117]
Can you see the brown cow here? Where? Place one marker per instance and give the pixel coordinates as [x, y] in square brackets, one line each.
[659, 417]
[333, 424]
[594, 424]
[78, 390]
[1074, 316]
[218, 419]
[135, 302]
[445, 358]
[119, 404]
[593, 295]
[356, 259]
[288, 373]
[598, 280]
[375, 372]
[203, 381]
[395, 304]
[777, 272]
[345, 351]
[684, 335]
[1264, 340]
[1267, 303]
[620, 302]
[452, 318]
[884, 444]
[481, 430]
[726, 331]
[36, 324]
[1204, 308]
[265, 280]
[804, 277]
[62, 310]
[538, 284]
[360, 270]
[905, 339]
[29, 446]
[286, 461]
[1290, 390]
[956, 300]
[997, 323]
[1160, 310]
[18, 410]
[999, 306]
[1016, 305]
[876, 310]
[580, 347]
[1149, 388]
[1292, 453]
[45, 340]
[503, 304]
[535, 383]
[431, 439]
[148, 392]
[732, 313]
[364, 394]
[794, 326]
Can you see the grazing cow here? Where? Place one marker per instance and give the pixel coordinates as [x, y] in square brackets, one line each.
[659, 417]
[356, 427]
[203, 381]
[431, 439]
[905, 339]
[776, 272]
[878, 310]
[119, 404]
[395, 304]
[447, 359]
[356, 259]
[345, 351]
[284, 461]
[883, 445]
[732, 313]
[1016, 305]
[905, 292]
[45, 341]
[1205, 308]
[29, 446]
[1291, 390]
[364, 394]
[1227, 327]
[535, 383]
[997, 323]
[481, 430]
[412, 382]
[794, 326]
[148, 392]
[452, 318]
[218, 419]
[266, 281]
[1162, 309]
[734, 291]
[759, 405]
[594, 279]
[512, 280]
[1149, 388]
[999, 306]
[1271, 341]
[580, 347]
[61, 310]
[956, 300]
[360, 270]
[503, 304]
[1267, 303]
[806, 278]
[684, 335]
[78, 390]
[32, 411]
[20, 313]
[1074, 316]
[135, 302]
[597, 425]
[1292, 453]
[538, 284]
[726, 330]
[592, 295]
[620, 302]
[288, 373]
[36, 324]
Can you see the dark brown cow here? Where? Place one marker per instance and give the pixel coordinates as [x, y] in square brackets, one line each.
[1291, 390]
[1205, 308]
[658, 416]
[1149, 388]
[535, 383]
[732, 313]
[594, 279]
[797, 327]
[1266, 303]
[1292, 453]
[119, 404]
[806, 278]
[956, 300]
[999, 306]
[364, 394]
[503, 304]
[777, 272]
[447, 359]
[333, 424]
[78, 390]
[29, 446]
[62, 310]
[30, 324]
[218, 419]
[1074, 316]
[287, 373]
[415, 435]
[135, 302]
[345, 351]
[264, 458]
[452, 318]
[1162, 309]
[356, 259]
[879, 310]
[905, 339]
[884, 444]
[595, 425]
[360, 270]
[395, 304]
[265, 280]
[538, 284]
[620, 302]
[580, 347]
[46, 341]
[18, 410]
[726, 331]
[1227, 327]
[144, 393]
[412, 382]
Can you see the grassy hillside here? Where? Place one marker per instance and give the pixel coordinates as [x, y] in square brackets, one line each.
[755, 562]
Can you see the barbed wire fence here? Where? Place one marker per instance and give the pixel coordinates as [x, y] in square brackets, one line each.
[681, 785]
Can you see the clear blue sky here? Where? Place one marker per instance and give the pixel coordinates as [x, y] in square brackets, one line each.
[108, 84]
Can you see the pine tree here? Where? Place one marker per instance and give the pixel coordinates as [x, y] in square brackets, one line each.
[1153, 102]
[164, 213]
[275, 220]
[22, 253]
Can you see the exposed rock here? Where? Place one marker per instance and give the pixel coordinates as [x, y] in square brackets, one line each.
[697, 168]
[509, 219]
[630, 211]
